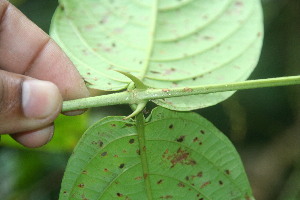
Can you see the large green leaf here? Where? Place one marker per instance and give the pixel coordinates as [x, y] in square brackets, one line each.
[185, 157]
[165, 43]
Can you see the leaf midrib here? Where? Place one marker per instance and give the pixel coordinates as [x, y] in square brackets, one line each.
[151, 39]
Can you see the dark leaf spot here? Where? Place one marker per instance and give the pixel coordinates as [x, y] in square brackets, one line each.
[227, 171]
[138, 152]
[84, 172]
[187, 178]
[200, 143]
[171, 126]
[121, 165]
[104, 153]
[221, 182]
[131, 141]
[119, 194]
[195, 139]
[113, 125]
[81, 185]
[200, 174]
[202, 132]
[106, 170]
[180, 139]
[160, 181]
[180, 184]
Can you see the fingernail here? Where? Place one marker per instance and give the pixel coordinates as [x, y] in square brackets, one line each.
[40, 99]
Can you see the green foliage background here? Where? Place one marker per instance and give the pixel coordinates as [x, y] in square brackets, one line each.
[264, 124]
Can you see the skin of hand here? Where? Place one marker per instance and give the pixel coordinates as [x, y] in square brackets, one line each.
[35, 77]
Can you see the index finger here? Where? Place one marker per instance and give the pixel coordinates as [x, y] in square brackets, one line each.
[26, 49]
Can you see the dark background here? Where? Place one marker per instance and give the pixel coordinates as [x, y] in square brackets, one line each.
[263, 124]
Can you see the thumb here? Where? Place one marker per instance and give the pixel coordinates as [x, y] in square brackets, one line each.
[26, 105]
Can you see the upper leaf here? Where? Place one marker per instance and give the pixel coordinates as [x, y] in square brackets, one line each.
[165, 43]
[186, 157]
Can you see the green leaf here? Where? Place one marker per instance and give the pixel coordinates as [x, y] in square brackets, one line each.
[184, 157]
[164, 43]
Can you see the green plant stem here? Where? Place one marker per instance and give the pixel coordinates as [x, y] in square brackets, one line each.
[140, 127]
[138, 95]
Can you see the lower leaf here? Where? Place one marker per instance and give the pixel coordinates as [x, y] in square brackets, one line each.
[186, 157]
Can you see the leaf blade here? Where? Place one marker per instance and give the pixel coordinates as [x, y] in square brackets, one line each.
[166, 44]
[186, 157]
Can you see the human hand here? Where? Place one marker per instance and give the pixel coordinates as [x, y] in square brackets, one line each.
[35, 77]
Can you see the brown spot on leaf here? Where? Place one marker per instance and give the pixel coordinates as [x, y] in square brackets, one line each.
[259, 34]
[113, 125]
[195, 139]
[202, 132]
[84, 172]
[205, 184]
[166, 197]
[181, 156]
[207, 37]
[180, 184]
[186, 89]
[138, 178]
[239, 3]
[145, 176]
[171, 126]
[220, 182]
[160, 181]
[227, 171]
[200, 174]
[119, 194]
[81, 185]
[106, 170]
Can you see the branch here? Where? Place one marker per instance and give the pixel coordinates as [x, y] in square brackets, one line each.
[139, 95]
